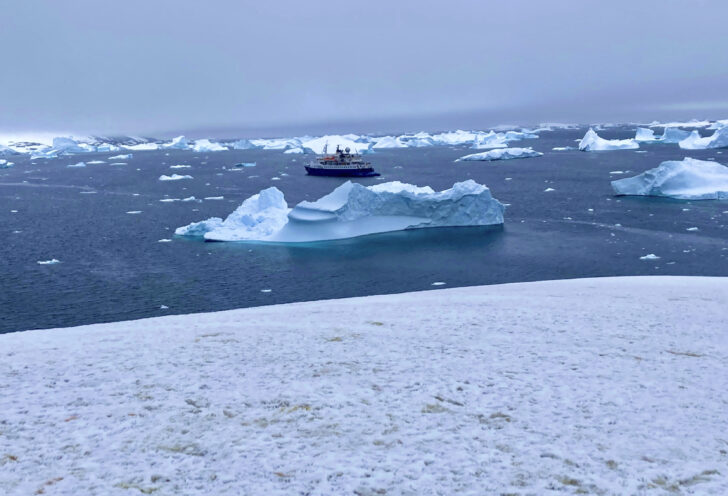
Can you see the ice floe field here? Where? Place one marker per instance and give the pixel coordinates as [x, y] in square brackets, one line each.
[604, 386]
[89, 225]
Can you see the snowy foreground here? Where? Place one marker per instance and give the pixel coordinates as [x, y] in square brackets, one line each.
[593, 386]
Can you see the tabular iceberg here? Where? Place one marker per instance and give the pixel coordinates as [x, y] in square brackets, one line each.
[502, 154]
[352, 210]
[719, 139]
[687, 179]
[592, 142]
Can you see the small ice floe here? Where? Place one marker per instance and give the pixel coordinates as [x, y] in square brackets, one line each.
[640, 151]
[96, 162]
[88, 192]
[121, 157]
[77, 164]
[169, 200]
[164, 241]
[438, 283]
[692, 229]
[4, 164]
[509, 179]
[266, 290]
[173, 177]
[52, 261]
[616, 172]
[246, 164]
[163, 307]
[134, 212]
[118, 163]
[562, 148]
[501, 154]
[275, 178]
[13, 211]
[180, 166]
[214, 198]
[548, 189]
[650, 256]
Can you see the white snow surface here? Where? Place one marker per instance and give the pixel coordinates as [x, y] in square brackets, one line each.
[592, 142]
[606, 386]
[719, 139]
[502, 154]
[352, 210]
[687, 179]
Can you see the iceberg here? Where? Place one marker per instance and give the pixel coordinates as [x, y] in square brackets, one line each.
[388, 142]
[316, 145]
[351, 210]
[687, 179]
[173, 177]
[143, 147]
[490, 140]
[592, 142]
[297, 149]
[5, 151]
[719, 139]
[107, 147]
[645, 135]
[205, 145]
[501, 154]
[77, 164]
[673, 135]
[178, 143]
[4, 164]
[121, 157]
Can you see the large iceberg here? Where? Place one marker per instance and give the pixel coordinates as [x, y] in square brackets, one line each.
[205, 145]
[592, 142]
[502, 154]
[719, 139]
[316, 145]
[352, 210]
[178, 143]
[645, 135]
[673, 135]
[687, 179]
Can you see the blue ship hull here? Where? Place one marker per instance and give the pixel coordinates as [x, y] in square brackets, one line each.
[317, 171]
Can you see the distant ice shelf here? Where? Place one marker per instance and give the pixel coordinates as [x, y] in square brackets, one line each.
[351, 210]
[687, 179]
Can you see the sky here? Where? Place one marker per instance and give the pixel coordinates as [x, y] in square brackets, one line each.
[259, 67]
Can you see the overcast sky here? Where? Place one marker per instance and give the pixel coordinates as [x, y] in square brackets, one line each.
[159, 67]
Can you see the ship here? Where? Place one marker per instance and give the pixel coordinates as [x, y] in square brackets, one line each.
[340, 163]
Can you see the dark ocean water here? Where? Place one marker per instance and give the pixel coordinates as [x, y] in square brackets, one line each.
[113, 267]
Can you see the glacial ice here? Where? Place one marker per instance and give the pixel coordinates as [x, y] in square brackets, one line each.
[387, 142]
[316, 145]
[6, 150]
[121, 157]
[173, 177]
[351, 210]
[143, 147]
[719, 139]
[297, 149]
[592, 142]
[502, 154]
[205, 145]
[178, 143]
[645, 135]
[673, 135]
[687, 179]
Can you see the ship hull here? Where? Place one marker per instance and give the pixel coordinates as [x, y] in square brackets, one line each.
[360, 172]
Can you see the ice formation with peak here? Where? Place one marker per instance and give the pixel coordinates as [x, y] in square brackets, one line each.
[178, 143]
[719, 139]
[501, 154]
[687, 179]
[592, 142]
[352, 210]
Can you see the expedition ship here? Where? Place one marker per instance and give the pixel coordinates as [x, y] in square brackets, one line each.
[340, 163]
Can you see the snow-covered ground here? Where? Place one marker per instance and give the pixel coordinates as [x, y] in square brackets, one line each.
[593, 386]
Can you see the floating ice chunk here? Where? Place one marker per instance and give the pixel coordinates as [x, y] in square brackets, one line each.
[52, 261]
[645, 135]
[174, 177]
[4, 164]
[688, 179]
[134, 212]
[121, 157]
[214, 198]
[297, 149]
[107, 147]
[438, 283]
[650, 256]
[163, 307]
[692, 229]
[5, 151]
[592, 142]
[548, 190]
[164, 241]
[562, 148]
[178, 143]
[266, 290]
[77, 164]
[502, 154]
[95, 162]
[352, 210]
[180, 166]
[143, 147]
[719, 139]
[246, 164]
[205, 145]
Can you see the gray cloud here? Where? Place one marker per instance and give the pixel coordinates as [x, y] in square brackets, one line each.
[162, 66]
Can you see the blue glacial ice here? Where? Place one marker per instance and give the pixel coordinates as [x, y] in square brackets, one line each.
[592, 142]
[351, 210]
